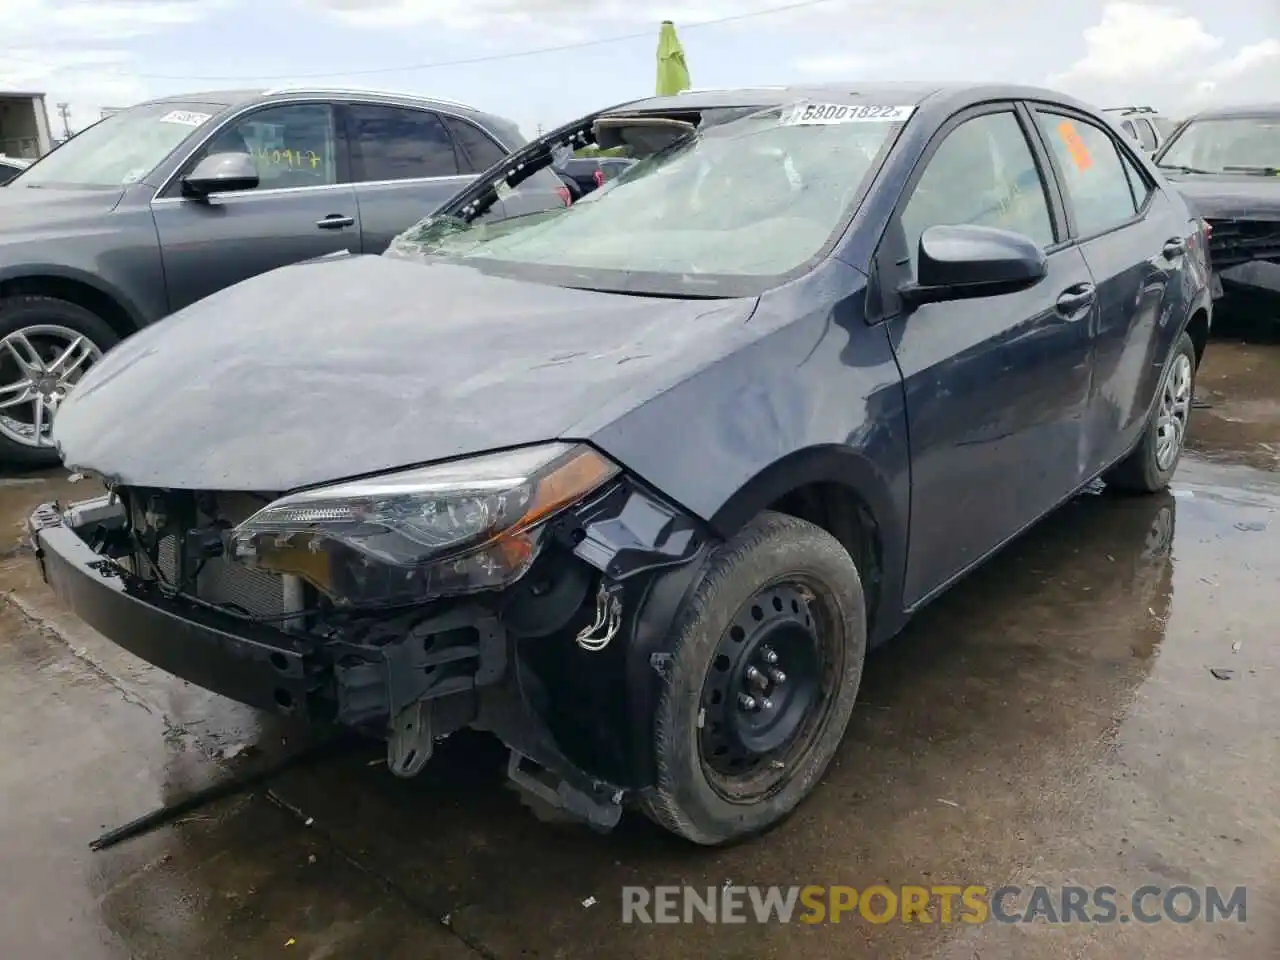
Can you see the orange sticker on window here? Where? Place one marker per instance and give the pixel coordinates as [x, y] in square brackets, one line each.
[1075, 146]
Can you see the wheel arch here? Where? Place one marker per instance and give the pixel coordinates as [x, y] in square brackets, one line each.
[840, 490]
[1198, 329]
[74, 286]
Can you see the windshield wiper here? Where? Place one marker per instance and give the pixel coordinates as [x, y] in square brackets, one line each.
[1180, 168]
[1256, 171]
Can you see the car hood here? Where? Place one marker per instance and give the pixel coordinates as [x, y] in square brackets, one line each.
[1231, 197]
[25, 207]
[353, 365]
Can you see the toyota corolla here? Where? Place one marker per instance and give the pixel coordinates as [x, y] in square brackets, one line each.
[635, 484]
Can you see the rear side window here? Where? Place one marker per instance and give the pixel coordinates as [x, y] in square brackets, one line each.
[1095, 177]
[478, 150]
[398, 143]
[984, 174]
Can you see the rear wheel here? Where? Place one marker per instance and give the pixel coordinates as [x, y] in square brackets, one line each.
[46, 345]
[1150, 466]
[768, 660]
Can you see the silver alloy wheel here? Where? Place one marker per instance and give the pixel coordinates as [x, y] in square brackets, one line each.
[38, 366]
[1175, 407]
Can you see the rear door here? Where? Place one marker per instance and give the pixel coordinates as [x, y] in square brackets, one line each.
[997, 387]
[404, 165]
[1134, 241]
[303, 206]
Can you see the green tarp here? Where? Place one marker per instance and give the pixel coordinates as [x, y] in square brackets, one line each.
[673, 71]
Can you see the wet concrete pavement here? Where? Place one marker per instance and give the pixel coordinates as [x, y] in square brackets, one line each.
[1053, 719]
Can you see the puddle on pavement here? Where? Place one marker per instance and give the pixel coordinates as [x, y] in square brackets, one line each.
[1055, 718]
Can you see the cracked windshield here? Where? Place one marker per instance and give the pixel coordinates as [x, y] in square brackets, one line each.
[756, 196]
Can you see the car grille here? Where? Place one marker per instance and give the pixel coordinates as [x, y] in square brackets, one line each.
[220, 581]
[1239, 241]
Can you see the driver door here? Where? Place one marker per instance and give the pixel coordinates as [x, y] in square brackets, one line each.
[304, 205]
[996, 387]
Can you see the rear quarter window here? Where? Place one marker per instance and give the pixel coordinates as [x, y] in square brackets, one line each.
[477, 150]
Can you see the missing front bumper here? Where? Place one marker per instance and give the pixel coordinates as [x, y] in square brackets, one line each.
[579, 741]
[363, 680]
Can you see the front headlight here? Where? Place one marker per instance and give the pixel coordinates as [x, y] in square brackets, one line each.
[443, 530]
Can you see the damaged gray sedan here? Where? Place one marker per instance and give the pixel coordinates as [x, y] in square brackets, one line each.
[634, 484]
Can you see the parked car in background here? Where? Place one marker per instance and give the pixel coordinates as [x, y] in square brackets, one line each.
[10, 167]
[634, 484]
[156, 206]
[1226, 162]
[1145, 125]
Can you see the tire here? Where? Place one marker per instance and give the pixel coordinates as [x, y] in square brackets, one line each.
[1146, 469]
[773, 554]
[37, 318]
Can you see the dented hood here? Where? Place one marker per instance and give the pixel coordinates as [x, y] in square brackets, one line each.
[342, 367]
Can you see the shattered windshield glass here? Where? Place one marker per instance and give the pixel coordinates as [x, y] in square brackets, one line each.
[755, 197]
[1226, 145]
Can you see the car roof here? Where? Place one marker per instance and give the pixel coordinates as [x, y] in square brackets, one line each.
[953, 95]
[1239, 110]
[235, 98]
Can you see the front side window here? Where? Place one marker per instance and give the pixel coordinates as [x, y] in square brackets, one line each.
[121, 149]
[398, 143]
[292, 145]
[1246, 145]
[983, 174]
[737, 205]
[1094, 175]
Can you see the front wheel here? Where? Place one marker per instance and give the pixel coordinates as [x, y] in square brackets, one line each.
[1150, 466]
[46, 345]
[768, 659]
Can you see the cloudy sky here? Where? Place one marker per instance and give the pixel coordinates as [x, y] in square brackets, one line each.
[93, 53]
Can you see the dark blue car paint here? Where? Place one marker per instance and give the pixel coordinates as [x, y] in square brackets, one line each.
[955, 425]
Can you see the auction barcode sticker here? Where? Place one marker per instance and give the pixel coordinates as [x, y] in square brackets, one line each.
[186, 118]
[805, 114]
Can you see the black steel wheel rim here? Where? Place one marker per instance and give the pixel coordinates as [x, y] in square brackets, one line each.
[766, 692]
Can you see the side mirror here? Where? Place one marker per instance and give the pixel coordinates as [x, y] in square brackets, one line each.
[220, 172]
[962, 262]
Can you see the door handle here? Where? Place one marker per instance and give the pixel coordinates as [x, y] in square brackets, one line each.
[336, 221]
[1174, 248]
[1074, 301]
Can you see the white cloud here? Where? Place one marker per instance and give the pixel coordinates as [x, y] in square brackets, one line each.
[72, 50]
[1134, 41]
[1140, 53]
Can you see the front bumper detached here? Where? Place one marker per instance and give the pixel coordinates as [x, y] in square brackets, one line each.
[413, 678]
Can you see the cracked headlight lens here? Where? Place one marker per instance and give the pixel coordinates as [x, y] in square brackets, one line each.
[444, 530]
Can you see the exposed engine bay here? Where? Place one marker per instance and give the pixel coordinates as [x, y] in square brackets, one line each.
[547, 663]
